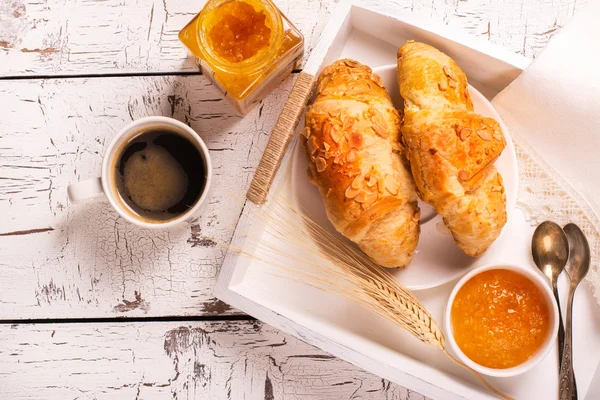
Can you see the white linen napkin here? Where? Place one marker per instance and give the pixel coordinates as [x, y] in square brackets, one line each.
[552, 111]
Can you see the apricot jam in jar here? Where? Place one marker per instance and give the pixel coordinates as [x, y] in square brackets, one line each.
[500, 318]
[245, 47]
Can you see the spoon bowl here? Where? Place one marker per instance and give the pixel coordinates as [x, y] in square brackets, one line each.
[550, 249]
[579, 254]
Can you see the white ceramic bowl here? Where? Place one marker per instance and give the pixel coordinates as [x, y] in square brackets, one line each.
[540, 282]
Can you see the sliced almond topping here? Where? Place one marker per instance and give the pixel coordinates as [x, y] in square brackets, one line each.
[381, 185]
[336, 135]
[443, 85]
[497, 188]
[487, 151]
[379, 125]
[377, 120]
[321, 164]
[328, 153]
[391, 185]
[312, 145]
[357, 182]
[351, 156]
[361, 197]
[463, 175]
[306, 132]
[484, 134]
[351, 193]
[375, 78]
[452, 83]
[336, 160]
[351, 63]
[379, 131]
[372, 181]
[465, 133]
[448, 72]
[370, 198]
[348, 124]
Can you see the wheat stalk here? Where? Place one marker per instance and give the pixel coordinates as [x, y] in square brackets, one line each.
[312, 255]
[353, 273]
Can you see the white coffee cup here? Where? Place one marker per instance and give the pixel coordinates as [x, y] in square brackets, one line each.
[104, 188]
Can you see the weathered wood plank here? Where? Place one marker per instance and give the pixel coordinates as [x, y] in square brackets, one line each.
[83, 37]
[60, 260]
[200, 360]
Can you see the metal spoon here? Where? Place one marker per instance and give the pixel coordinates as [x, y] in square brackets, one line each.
[577, 268]
[550, 250]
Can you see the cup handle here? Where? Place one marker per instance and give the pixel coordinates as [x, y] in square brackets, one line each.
[88, 191]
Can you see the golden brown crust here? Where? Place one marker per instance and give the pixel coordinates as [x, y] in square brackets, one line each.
[351, 137]
[451, 149]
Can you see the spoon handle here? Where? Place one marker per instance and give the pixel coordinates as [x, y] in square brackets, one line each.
[568, 390]
[561, 329]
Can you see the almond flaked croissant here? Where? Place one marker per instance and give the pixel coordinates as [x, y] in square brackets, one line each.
[351, 138]
[451, 149]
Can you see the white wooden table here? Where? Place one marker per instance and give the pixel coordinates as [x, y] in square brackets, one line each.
[94, 308]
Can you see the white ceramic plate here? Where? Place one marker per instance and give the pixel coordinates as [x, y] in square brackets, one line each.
[437, 259]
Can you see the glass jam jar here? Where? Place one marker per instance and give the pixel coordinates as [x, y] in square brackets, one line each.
[245, 47]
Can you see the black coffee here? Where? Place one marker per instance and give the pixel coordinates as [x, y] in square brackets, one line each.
[160, 175]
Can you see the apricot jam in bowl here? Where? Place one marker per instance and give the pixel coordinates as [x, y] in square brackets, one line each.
[501, 319]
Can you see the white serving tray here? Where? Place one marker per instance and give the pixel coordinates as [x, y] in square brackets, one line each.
[342, 328]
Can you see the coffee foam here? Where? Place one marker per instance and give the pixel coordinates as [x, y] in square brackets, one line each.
[154, 179]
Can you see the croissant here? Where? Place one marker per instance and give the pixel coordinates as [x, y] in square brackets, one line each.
[351, 138]
[451, 149]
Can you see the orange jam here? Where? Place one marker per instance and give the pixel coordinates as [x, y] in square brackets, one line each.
[241, 32]
[246, 47]
[500, 318]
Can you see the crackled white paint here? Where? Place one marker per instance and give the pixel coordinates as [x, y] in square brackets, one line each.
[82, 37]
[202, 360]
[60, 260]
